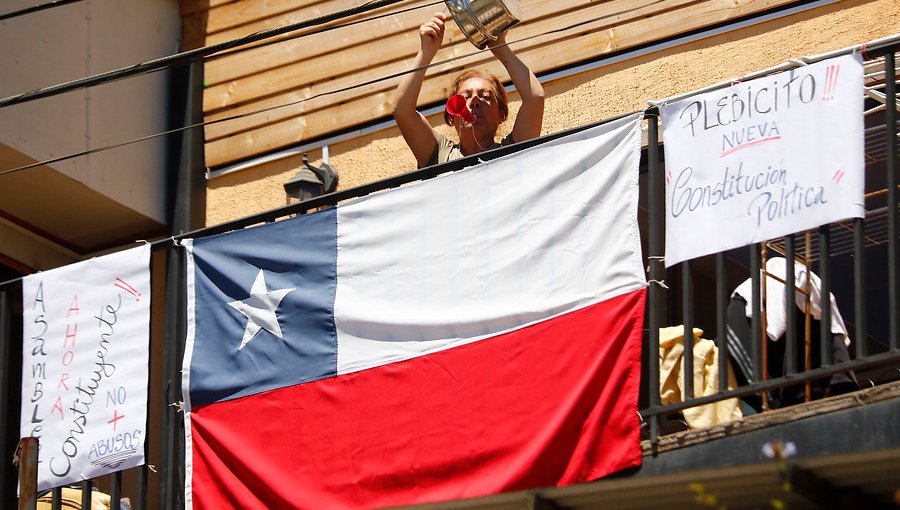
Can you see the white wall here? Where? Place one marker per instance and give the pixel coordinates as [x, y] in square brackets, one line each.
[78, 40]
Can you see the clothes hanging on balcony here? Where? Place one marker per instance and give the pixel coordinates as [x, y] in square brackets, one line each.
[740, 339]
[705, 373]
[776, 322]
[71, 499]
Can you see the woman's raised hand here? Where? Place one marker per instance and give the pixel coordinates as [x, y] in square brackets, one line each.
[431, 34]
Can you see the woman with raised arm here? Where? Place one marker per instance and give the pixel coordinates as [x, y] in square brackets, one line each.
[478, 113]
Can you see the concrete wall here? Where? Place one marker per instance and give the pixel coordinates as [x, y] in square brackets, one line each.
[78, 40]
[589, 96]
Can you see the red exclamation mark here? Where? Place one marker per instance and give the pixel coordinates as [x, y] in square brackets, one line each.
[122, 284]
[831, 78]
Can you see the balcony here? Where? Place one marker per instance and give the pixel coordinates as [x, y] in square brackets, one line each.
[801, 442]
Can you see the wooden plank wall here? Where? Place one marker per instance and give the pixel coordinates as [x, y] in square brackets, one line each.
[333, 80]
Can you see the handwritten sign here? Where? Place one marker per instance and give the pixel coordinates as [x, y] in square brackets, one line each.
[85, 366]
[764, 158]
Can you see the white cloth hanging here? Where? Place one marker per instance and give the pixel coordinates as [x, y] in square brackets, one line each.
[775, 309]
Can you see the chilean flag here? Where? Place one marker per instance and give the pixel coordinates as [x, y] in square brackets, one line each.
[471, 334]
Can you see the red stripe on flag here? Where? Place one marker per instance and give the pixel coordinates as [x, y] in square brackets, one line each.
[551, 404]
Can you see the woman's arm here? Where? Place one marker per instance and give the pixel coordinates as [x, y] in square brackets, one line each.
[413, 126]
[531, 113]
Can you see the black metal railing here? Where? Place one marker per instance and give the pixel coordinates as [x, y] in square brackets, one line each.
[873, 354]
[672, 299]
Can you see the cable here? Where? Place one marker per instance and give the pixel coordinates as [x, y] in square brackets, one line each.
[234, 117]
[190, 55]
[263, 44]
[36, 8]
[292, 103]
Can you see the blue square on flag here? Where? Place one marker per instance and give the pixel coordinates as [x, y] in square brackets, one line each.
[264, 310]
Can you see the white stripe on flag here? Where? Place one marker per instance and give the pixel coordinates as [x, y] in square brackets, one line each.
[489, 249]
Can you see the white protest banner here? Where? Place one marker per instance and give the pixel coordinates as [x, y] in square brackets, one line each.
[764, 158]
[86, 332]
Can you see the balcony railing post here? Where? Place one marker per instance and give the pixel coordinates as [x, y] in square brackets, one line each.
[790, 298]
[87, 494]
[27, 459]
[172, 450]
[656, 263]
[892, 183]
[116, 491]
[859, 284]
[825, 278]
[687, 315]
[7, 474]
[56, 498]
[757, 335]
[721, 320]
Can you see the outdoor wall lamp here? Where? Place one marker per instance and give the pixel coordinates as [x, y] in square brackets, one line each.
[311, 181]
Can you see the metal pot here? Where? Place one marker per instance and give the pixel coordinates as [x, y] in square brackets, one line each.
[482, 21]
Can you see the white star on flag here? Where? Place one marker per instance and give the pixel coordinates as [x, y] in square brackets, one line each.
[259, 309]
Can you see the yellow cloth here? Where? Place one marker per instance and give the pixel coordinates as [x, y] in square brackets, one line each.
[71, 498]
[706, 378]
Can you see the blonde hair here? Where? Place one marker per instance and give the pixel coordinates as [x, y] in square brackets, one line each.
[496, 86]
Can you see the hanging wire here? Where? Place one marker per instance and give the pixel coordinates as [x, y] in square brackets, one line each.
[234, 117]
[190, 55]
[310, 98]
[208, 51]
[36, 8]
[271, 108]
[293, 36]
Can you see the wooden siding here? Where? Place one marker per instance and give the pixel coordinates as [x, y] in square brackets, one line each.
[304, 72]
